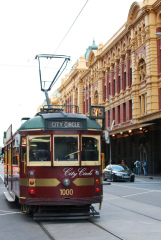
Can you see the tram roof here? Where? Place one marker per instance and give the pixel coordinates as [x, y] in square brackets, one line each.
[39, 122]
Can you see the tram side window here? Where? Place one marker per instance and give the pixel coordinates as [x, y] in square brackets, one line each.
[23, 149]
[66, 148]
[23, 153]
[39, 149]
[89, 149]
[14, 157]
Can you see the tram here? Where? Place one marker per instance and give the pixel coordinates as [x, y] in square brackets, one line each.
[52, 164]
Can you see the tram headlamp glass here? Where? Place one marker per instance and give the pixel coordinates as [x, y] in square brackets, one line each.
[31, 173]
[66, 182]
[97, 172]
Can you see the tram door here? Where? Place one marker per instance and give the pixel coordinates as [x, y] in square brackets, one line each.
[6, 166]
[23, 159]
[9, 167]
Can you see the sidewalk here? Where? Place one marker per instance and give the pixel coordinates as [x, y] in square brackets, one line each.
[150, 176]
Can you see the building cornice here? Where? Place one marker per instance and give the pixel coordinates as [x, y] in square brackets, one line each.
[116, 38]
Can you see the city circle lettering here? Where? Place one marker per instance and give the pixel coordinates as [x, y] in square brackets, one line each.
[65, 124]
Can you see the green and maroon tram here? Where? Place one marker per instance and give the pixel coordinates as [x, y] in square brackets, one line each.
[53, 165]
[53, 162]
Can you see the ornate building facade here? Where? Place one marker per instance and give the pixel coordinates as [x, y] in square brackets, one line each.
[124, 75]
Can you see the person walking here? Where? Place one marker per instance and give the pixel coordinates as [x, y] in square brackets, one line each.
[145, 168]
[137, 165]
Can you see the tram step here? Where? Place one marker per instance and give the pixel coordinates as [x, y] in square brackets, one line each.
[9, 197]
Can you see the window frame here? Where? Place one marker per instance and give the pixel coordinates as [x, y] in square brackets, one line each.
[66, 163]
[37, 163]
[92, 163]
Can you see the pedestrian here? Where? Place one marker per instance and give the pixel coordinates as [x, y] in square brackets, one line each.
[122, 162]
[137, 165]
[145, 168]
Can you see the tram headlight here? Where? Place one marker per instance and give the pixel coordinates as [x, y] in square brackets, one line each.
[66, 182]
[97, 172]
[31, 173]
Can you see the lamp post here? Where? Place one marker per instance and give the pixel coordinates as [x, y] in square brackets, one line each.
[110, 124]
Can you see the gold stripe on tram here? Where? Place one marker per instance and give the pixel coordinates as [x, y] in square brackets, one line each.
[83, 181]
[42, 182]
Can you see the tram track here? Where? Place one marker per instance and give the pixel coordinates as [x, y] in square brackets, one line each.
[111, 233]
[141, 214]
[96, 224]
[51, 237]
[45, 230]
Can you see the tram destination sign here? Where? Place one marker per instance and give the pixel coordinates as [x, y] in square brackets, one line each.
[52, 124]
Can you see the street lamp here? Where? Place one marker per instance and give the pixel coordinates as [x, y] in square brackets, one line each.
[110, 124]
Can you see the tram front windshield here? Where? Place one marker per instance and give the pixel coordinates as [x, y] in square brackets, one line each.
[66, 148]
[90, 148]
[39, 149]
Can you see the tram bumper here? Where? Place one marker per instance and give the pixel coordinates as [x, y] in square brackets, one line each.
[74, 212]
[54, 209]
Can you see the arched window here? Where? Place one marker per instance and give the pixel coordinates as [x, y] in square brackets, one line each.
[142, 69]
[96, 97]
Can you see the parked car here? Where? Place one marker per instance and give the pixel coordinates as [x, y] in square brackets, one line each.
[118, 173]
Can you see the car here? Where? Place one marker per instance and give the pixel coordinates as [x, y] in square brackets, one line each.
[118, 173]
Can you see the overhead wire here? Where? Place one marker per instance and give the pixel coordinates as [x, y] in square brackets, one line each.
[65, 37]
[94, 71]
[71, 25]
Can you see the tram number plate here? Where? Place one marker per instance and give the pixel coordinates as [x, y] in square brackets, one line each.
[67, 192]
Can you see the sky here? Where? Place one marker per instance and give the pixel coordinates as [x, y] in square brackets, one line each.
[32, 27]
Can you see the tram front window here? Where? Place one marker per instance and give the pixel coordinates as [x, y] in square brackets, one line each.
[66, 148]
[90, 149]
[39, 149]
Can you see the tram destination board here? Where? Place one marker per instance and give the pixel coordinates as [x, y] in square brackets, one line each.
[72, 124]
